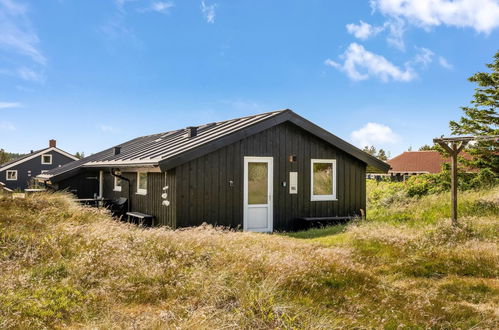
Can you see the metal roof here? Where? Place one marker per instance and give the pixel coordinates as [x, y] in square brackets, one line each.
[168, 149]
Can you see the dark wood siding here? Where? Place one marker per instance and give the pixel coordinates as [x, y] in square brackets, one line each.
[205, 195]
[151, 203]
[82, 185]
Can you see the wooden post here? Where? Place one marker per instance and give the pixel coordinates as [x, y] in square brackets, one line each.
[454, 184]
[451, 146]
[453, 149]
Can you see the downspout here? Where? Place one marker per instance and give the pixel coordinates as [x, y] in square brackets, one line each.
[129, 202]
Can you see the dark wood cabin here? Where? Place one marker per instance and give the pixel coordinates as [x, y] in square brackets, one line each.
[261, 173]
[20, 173]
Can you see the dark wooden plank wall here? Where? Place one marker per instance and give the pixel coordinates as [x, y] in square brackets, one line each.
[204, 193]
[150, 203]
[82, 185]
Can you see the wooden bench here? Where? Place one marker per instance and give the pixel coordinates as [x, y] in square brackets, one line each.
[312, 219]
[142, 218]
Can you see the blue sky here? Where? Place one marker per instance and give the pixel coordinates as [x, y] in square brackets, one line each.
[95, 73]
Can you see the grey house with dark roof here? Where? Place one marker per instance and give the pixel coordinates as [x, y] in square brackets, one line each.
[260, 173]
[19, 173]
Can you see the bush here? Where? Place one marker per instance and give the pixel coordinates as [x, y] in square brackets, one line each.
[385, 193]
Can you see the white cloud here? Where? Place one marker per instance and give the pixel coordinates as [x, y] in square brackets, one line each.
[9, 105]
[31, 75]
[423, 57]
[161, 6]
[7, 126]
[481, 15]
[444, 63]
[208, 12]
[373, 134]
[360, 64]
[363, 30]
[396, 30]
[17, 34]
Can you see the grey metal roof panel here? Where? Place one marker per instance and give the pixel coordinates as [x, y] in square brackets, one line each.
[152, 149]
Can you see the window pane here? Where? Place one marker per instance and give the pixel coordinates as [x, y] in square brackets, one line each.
[323, 179]
[143, 181]
[257, 183]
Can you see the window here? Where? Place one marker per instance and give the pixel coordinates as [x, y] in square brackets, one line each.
[323, 180]
[117, 184]
[142, 183]
[12, 175]
[258, 183]
[47, 159]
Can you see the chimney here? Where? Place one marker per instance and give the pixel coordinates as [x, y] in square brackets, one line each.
[117, 150]
[52, 143]
[192, 131]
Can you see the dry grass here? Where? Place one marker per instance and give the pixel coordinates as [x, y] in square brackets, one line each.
[67, 265]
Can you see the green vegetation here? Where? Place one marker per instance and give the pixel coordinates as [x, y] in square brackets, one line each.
[67, 265]
[482, 118]
[422, 199]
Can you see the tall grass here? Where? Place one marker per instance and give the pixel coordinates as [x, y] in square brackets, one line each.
[67, 265]
[390, 202]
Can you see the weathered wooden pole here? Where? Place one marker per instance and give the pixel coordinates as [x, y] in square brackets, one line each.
[453, 184]
[453, 149]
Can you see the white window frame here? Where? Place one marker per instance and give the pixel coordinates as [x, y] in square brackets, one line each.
[47, 163]
[7, 175]
[323, 197]
[140, 191]
[118, 188]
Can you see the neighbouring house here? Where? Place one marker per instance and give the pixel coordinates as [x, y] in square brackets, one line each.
[411, 163]
[19, 173]
[261, 173]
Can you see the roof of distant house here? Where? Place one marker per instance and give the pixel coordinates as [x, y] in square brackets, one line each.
[428, 161]
[32, 155]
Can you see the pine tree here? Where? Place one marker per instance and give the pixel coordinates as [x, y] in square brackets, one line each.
[371, 150]
[80, 155]
[383, 155]
[4, 157]
[481, 118]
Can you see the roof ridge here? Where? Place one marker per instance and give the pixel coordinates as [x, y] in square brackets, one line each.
[213, 122]
[32, 152]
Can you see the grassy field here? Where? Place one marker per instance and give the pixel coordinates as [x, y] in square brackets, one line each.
[405, 266]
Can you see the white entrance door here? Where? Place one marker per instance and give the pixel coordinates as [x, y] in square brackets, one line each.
[258, 194]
